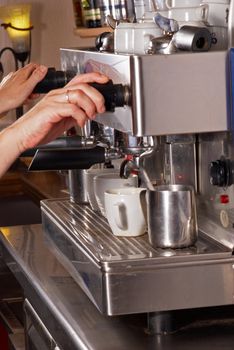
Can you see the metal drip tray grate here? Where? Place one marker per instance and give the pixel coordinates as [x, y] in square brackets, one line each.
[92, 230]
[126, 275]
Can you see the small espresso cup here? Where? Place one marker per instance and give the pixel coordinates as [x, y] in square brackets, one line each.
[89, 176]
[126, 211]
[172, 217]
[104, 182]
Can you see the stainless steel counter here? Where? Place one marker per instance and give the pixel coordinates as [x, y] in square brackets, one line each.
[73, 320]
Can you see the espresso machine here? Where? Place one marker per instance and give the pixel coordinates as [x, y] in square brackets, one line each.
[173, 126]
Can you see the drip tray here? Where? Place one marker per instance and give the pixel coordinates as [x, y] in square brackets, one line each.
[126, 275]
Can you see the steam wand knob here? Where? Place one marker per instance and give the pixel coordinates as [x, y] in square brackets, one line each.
[221, 173]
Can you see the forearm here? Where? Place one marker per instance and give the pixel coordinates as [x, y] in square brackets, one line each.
[17, 87]
[9, 149]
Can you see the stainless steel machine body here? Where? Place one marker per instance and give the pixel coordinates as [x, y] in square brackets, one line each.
[183, 101]
[170, 94]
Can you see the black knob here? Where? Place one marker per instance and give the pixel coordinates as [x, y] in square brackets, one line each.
[221, 173]
[54, 79]
[115, 95]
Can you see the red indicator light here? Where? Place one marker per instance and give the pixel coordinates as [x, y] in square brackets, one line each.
[224, 199]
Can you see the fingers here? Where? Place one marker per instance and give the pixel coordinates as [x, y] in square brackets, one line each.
[81, 82]
[26, 77]
[76, 112]
[36, 75]
[58, 110]
[31, 74]
[54, 113]
[94, 77]
[79, 98]
[22, 74]
[61, 127]
[63, 107]
[84, 91]
[82, 95]
[27, 70]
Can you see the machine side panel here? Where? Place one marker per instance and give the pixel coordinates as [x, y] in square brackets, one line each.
[183, 93]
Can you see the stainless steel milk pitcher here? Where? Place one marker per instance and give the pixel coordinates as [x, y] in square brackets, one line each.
[172, 217]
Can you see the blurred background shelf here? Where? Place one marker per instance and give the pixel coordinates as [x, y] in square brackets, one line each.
[91, 32]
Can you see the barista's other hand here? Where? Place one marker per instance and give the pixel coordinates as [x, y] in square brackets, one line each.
[17, 86]
[60, 110]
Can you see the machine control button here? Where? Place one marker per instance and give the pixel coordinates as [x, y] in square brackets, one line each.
[224, 199]
[224, 218]
[221, 173]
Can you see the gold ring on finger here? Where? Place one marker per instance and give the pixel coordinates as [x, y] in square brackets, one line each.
[67, 96]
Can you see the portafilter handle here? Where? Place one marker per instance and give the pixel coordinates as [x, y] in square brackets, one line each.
[115, 95]
[67, 159]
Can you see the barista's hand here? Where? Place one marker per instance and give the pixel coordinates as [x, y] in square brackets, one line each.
[60, 110]
[17, 86]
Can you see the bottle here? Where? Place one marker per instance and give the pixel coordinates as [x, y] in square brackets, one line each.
[126, 9]
[105, 8]
[116, 9]
[97, 13]
[130, 12]
[77, 13]
[91, 13]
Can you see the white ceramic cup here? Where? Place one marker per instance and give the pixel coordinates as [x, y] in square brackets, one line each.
[126, 211]
[182, 3]
[89, 175]
[104, 182]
